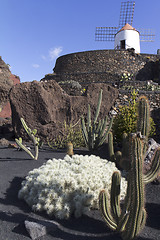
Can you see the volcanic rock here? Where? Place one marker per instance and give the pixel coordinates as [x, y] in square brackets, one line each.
[6, 129]
[39, 228]
[4, 142]
[45, 106]
[7, 80]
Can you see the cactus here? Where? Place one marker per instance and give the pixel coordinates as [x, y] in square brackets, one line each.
[131, 219]
[36, 141]
[143, 120]
[112, 156]
[95, 133]
[69, 148]
[152, 173]
[120, 158]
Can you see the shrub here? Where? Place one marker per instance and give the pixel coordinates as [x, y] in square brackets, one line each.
[125, 120]
[70, 133]
[72, 185]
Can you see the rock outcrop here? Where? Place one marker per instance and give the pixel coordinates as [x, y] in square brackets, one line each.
[7, 80]
[45, 106]
[5, 111]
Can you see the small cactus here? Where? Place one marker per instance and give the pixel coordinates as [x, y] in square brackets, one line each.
[119, 157]
[35, 140]
[112, 156]
[95, 133]
[69, 148]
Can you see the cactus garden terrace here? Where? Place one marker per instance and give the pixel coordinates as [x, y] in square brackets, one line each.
[22, 217]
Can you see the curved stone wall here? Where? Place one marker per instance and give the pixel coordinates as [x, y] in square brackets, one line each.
[104, 66]
[111, 61]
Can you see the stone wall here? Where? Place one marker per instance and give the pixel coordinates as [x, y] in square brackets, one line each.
[104, 66]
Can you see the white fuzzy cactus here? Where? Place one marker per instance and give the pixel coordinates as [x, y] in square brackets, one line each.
[72, 185]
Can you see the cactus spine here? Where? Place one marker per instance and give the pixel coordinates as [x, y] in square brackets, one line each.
[131, 219]
[95, 133]
[35, 140]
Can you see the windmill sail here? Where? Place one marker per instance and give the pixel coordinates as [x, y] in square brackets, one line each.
[146, 35]
[126, 13]
[105, 33]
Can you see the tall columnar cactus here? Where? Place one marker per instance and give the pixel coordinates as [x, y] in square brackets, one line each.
[95, 133]
[143, 120]
[36, 140]
[129, 220]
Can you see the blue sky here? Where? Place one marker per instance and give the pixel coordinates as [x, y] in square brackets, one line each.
[33, 33]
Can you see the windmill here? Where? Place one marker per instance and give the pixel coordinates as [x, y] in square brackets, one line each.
[125, 36]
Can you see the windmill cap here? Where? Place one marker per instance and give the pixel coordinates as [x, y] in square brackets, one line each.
[127, 27]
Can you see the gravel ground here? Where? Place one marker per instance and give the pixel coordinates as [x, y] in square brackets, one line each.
[14, 166]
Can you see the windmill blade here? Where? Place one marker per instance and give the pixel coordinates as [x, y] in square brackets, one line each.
[146, 35]
[126, 13]
[105, 33]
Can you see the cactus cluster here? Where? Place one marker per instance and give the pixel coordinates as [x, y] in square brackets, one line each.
[95, 132]
[31, 134]
[69, 186]
[129, 220]
[119, 157]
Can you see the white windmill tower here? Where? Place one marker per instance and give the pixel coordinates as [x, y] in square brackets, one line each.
[125, 36]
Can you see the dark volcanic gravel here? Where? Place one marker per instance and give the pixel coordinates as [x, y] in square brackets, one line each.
[14, 166]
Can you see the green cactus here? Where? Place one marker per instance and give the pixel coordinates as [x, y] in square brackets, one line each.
[36, 140]
[112, 156]
[120, 157]
[152, 173]
[95, 133]
[143, 120]
[131, 219]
